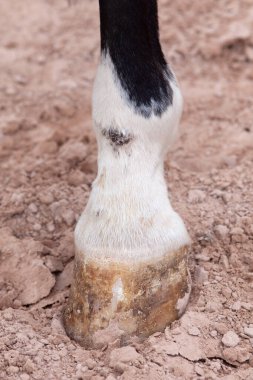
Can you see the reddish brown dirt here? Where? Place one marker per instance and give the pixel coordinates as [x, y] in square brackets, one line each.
[49, 52]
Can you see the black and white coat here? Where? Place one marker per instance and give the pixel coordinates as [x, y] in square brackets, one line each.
[137, 106]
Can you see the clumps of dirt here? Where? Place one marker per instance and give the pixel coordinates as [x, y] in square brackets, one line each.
[34, 280]
[32, 340]
[48, 163]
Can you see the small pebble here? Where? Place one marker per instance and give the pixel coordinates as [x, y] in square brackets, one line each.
[236, 306]
[37, 227]
[68, 217]
[33, 208]
[221, 232]
[194, 331]
[214, 333]
[46, 198]
[20, 79]
[202, 257]
[90, 363]
[248, 331]
[225, 262]
[50, 227]
[215, 366]
[230, 339]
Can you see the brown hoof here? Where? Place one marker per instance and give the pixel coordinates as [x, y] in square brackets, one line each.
[112, 300]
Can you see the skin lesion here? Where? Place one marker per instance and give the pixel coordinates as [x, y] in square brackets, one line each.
[117, 138]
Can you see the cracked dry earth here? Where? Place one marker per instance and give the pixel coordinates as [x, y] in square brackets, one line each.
[49, 51]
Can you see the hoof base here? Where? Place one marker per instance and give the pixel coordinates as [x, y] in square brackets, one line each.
[118, 301]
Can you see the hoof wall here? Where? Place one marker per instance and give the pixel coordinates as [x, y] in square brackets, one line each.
[119, 301]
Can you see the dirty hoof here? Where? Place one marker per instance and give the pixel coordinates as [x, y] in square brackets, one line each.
[118, 300]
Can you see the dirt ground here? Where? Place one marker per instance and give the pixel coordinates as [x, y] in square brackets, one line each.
[48, 56]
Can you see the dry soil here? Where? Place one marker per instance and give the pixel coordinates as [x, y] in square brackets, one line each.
[49, 52]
